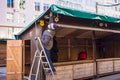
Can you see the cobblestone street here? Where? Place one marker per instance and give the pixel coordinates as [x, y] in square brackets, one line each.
[111, 77]
[2, 73]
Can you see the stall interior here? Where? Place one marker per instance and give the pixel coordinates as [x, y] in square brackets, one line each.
[71, 42]
[26, 58]
[3, 45]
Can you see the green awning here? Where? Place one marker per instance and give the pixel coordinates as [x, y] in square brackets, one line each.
[73, 13]
[83, 14]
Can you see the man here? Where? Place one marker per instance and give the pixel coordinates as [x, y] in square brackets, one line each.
[47, 40]
[54, 50]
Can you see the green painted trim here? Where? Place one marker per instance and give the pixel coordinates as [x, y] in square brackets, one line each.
[5, 39]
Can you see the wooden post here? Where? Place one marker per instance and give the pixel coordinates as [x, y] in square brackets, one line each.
[94, 46]
[69, 54]
[94, 54]
[51, 18]
[23, 58]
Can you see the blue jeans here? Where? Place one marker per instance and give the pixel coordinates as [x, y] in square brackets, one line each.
[49, 59]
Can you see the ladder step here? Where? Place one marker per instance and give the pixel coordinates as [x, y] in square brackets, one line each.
[45, 62]
[47, 68]
[37, 56]
[42, 56]
[26, 77]
[33, 74]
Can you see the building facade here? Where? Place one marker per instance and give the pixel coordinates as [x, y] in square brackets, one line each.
[16, 14]
[104, 7]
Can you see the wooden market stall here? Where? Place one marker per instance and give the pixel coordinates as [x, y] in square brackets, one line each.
[78, 31]
[2, 53]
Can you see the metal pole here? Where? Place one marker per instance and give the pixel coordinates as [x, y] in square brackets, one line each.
[96, 7]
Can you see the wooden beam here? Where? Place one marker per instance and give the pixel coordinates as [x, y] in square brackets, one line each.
[88, 28]
[69, 53]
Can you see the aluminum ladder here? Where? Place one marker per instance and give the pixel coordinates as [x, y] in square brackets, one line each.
[41, 56]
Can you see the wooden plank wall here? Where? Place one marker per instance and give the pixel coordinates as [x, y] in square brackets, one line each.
[76, 46]
[109, 48]
[83, 70]
[105, 67]
[117, 65]
[3, 53]
[27, 57]
[14, 60]
[80, 70]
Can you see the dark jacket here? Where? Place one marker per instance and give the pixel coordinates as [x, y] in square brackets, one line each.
[47, 38]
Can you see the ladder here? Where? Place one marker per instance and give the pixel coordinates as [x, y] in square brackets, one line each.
[41, 56]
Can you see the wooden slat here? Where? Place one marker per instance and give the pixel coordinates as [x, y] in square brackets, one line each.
[63, 73]
[14, 60]
[116, 65]
[105, 67]
[83, 70]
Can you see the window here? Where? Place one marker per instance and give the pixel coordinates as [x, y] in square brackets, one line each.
[45, 7]
[22, 4]
[10, 16]
[10, 4]
[16, 30]
[115, 1]
[116, 9]
[37, 6]
[8, 32]
[5, 32]
[21, 18]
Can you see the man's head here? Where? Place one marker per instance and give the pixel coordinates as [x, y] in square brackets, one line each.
[52, 26]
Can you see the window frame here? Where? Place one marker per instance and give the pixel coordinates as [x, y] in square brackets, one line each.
[10, 3]
[10, 16]
[37, 6]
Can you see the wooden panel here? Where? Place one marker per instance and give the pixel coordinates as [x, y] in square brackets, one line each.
[14, 60]
[63, 73]
[83, 70]
[117, 65]
[105, 67]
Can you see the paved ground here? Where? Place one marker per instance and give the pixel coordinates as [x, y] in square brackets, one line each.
[111, 77]
[2, 73]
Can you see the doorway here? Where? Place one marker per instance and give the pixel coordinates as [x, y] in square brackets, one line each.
[26, 57]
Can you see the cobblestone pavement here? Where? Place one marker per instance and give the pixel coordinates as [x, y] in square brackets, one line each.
[2, 73]
[111, 77]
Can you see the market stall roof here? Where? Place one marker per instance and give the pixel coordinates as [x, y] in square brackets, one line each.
[82, 14]
[74, 13]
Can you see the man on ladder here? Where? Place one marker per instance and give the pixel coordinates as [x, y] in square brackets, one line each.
[47, 40]
[43, 54]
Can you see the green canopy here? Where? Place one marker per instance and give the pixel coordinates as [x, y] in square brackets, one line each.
[82, 14]
[73, 13]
